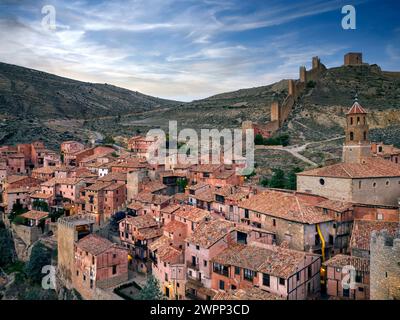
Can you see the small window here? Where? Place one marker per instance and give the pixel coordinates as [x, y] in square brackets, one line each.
[374, 184]
[387, 183]
[197, 247]
[266, 280]
[221, 285]
[114, 269]
[205, 263]
[237, 270]
[298, 276]
[322, 182]
[351, 136]
[274, 222]
[281, 281]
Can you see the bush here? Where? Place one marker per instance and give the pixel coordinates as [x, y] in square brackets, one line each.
[40, 257]
[151, 291]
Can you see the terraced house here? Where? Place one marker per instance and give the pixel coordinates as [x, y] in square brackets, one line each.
[287, 273]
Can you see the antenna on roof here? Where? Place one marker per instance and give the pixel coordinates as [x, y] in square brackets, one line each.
[356, 97]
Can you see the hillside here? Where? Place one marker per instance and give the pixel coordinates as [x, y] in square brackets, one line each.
[36, 105]
[27, 93]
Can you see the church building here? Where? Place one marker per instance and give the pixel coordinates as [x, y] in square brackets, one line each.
[361, 177]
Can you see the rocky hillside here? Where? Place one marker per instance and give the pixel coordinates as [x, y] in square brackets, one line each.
[27, 93]
[36, 105]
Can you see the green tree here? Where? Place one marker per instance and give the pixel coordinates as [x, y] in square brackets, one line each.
[277, 179]
[109, 140]
[291, 180]
[264, 182]
[258, 139]
[6, 255]
[40, 205]
[182, 184]
[151, 291]
[40, 257]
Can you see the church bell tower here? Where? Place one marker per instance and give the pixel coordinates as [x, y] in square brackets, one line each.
[357, 145]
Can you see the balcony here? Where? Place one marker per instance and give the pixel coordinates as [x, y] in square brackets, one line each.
[192, 266]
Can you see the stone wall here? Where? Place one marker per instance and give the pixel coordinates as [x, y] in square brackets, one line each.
[385, 266]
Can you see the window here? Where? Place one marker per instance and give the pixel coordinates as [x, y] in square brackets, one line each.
[387, 183]
[91, 284]
[197, 247]
[298, 276]
[249, 274]
[237, 270]
[166, 276]
[92, 260]
[266, 280]
[281, 281]
[359, 184]
[114, 269]
[346, 292]
[374, 184]
[351, 136]
[205, 263]
[221, 285]
[221, 269]
[274, 222]
[360, 289]
[321, 182]
[246, 213]
[380, 216]
[351, 120]
[365, 135]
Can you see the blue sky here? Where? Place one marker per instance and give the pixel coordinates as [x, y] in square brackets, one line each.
[191, 49]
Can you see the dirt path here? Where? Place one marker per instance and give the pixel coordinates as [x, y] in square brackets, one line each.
[295, 150]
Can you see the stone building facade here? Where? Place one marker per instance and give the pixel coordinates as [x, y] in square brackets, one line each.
[385, 266]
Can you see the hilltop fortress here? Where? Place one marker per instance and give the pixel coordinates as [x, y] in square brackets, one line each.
[280, 110]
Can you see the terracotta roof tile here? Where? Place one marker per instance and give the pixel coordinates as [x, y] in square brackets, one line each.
[370, 167]
[286, 205]
[94, 244]
[341, 260]
[362, 231]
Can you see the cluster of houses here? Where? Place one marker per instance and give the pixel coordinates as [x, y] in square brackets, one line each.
[205, 232]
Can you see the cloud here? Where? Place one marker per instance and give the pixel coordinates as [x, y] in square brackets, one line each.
[170, 48]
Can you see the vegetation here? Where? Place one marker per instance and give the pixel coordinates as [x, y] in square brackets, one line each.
[182, 184]
[16, 210]
[40, 257]
[40, 205]
[278, 140]
[280, 180]
[6, 254]
[109, 140]
[151, 291]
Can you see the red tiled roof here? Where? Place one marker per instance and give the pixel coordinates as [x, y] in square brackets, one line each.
[286, 205]
[192, 213]
[341, 260]
[357, 109]
[35, 215]
[94, 244]
[140, 222]
[276, 261]
[209, 232]
[370, 167]
[252, 293]
[362, 231]
[174, 226]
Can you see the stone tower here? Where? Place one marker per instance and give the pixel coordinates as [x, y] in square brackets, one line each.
[69, 231]
[357, 145]
[385, 266]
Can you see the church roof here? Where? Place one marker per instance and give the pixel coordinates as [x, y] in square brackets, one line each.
[369, 167]
[357, 109]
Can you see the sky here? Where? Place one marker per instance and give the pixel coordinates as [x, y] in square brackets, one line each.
[192, 49]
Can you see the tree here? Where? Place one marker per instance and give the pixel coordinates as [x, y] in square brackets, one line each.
[109, 140]
[291, 180]
[264, 182]
[6, 255]
[258, 139]
[182, 184]
[151, 291]
[277, 179]
[40, 257]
